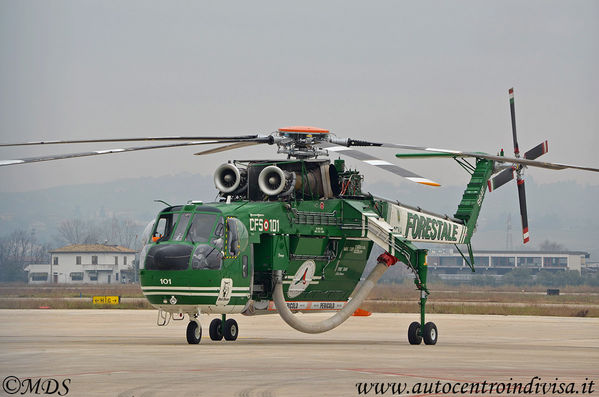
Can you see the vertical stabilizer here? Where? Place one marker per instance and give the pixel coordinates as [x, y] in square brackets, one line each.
[472, 200]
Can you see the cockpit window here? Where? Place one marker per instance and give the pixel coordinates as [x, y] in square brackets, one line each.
[201, 228]
[181, 227]
[163, 227]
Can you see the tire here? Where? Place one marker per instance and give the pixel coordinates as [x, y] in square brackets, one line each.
[231, 329]
[194, 333]
[216, 332]
[413, 336]
[430, 334]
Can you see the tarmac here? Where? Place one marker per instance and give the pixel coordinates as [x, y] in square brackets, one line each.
[124, 353]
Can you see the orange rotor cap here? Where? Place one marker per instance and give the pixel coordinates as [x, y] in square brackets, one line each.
[305, 129]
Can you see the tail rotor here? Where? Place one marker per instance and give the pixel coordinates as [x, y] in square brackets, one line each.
[507, 174]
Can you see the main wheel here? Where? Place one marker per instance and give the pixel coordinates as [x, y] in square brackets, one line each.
[430, 333]
[216, 329]
[231, 329]
[413, 336]
[194, 333]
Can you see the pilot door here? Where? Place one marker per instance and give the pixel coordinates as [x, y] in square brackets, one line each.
[236, 270]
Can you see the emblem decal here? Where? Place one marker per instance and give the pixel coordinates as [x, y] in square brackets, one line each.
[224, 296]
[302, 279]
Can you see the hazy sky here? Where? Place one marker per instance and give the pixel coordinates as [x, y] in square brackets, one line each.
[424, 73]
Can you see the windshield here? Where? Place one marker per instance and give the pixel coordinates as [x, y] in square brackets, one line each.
[181, 227]
[201, 228]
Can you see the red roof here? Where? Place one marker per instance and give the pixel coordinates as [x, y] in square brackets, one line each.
[99, 248]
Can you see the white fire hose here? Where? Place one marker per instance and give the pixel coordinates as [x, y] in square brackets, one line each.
[337, 318]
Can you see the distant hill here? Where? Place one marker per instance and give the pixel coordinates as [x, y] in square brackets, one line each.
[566, 213]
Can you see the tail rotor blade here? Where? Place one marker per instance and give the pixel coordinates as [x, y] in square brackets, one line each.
[523, 213]
[537, 151]
[513, 114]
[501, 179]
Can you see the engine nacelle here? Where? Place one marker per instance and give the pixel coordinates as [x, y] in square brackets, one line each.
[228, 178]
[274, 181]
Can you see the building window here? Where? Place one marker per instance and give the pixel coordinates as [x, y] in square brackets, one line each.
[481, 260]
[77, 276]
[39, 276]
[116, 260]
[55, 260]
[125, 260]
[116, 276]
[451, 261]
[552, 261]
[94, 260]
[93, 276]
[503, 261]
[530, 261]
[78, 260]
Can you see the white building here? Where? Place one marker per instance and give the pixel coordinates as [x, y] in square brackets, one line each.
[85, 263]
[500, 262]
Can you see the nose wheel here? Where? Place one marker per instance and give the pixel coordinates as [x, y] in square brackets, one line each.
[194, 332]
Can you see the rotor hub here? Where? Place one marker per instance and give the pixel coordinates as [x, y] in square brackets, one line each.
[301, 141]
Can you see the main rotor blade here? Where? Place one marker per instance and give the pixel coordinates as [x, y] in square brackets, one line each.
[513, 115]
[385, 165]
[523, 212]
[227, 147]
[537, 151]
[457, 153]
[500, 179]
[143, 139]
[99, 152]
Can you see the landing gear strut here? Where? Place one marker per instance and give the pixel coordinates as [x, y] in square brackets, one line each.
[417, 331]
[415, 259]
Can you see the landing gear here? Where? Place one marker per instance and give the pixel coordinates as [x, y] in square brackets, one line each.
[194, 332]
[220, 328]
[216, 329]
[231, 329]
[429, 333]
[414, 336]
[419, 330]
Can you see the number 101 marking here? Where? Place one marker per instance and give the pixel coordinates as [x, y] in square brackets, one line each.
[274, 225]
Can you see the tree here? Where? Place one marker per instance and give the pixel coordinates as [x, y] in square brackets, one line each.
[115, 230]
[78, 231]
[121, 231]
[18, 250]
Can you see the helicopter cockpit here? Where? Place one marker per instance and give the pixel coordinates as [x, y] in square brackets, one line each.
[200, 238]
